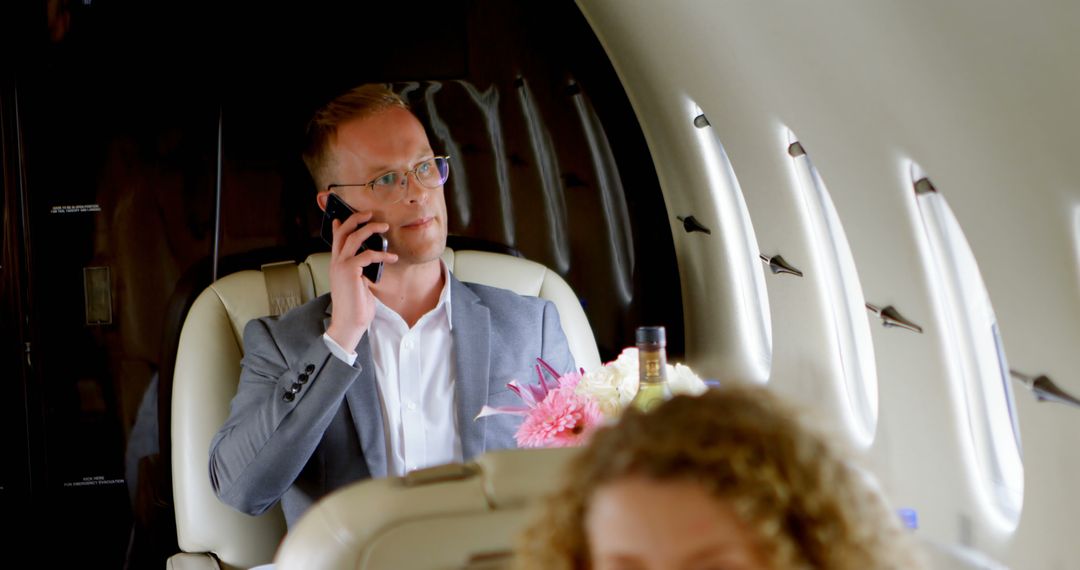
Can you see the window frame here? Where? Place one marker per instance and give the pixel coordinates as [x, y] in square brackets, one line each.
[975, 348]
[843, 297]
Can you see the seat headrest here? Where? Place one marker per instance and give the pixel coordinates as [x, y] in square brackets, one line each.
[519, 275]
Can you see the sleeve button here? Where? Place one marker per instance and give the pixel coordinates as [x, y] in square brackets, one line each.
[309, 369]
[288, 397]
[302, 378]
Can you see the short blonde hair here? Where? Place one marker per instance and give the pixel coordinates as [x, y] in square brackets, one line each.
[357, 103]
[806, 503]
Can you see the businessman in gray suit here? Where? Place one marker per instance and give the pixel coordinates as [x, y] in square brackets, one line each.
[377, 379]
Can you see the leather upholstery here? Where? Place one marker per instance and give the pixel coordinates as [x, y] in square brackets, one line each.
[205, 380]
[469, 519]
[208, 369]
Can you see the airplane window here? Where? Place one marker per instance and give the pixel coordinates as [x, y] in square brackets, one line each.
[974, 340]
[851, 327]
[741, 248]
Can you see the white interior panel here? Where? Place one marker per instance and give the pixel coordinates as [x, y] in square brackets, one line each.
[981, 94]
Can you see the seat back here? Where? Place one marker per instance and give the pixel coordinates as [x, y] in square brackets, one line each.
[465, 516]
[204, 382]
[519, 275]
[208, 370]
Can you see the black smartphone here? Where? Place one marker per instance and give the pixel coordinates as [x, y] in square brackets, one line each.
[337, 209]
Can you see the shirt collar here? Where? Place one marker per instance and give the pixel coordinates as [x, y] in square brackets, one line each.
[444, 297]
[444, 304]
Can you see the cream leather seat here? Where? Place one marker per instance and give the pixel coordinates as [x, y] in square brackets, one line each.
[208, 370]
[454, 516]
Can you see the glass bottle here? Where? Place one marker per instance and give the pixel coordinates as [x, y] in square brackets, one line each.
[653, 386]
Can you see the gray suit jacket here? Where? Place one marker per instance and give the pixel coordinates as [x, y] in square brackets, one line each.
[330, 433]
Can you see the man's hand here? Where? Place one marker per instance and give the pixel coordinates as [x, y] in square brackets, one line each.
[354, 304]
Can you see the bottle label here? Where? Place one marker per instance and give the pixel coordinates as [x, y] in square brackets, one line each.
[652, 368]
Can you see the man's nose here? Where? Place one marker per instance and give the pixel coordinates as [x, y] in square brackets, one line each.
[415, 192]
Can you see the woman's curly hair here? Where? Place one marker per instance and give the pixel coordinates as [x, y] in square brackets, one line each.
[807, 504]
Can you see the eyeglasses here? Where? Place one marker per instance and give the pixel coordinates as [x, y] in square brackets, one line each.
[390, 188]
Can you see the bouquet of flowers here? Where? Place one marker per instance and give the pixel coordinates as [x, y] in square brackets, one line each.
[564, 410]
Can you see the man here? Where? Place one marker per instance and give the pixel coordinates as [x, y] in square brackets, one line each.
[377, 379]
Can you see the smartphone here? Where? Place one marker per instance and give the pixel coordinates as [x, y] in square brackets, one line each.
[337, 209]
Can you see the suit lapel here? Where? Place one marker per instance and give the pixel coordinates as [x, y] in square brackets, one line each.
[365, 406]
[472, 359]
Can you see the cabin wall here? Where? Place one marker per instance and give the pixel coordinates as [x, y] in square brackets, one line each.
[983, 98]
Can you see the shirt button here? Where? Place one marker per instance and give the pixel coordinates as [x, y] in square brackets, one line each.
[408, 345]
[411, 405]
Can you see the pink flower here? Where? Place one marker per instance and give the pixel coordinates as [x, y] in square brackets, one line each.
[555, 416]
[562, 419]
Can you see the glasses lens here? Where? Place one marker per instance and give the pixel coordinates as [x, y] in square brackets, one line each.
[434, 172]
[388, 187]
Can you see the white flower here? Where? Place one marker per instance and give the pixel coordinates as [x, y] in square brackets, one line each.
[626, 364]
[605, 395]
[605, 385]
[613, 385]
[684, 381]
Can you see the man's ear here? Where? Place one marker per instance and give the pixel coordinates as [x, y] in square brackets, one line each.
[321, 199]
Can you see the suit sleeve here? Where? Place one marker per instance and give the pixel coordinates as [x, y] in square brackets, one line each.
[556, 349]
[281, 410]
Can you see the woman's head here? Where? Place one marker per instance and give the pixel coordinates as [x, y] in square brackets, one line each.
[729, 479]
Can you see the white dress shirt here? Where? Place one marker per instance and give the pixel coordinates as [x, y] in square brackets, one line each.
[414, 371]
